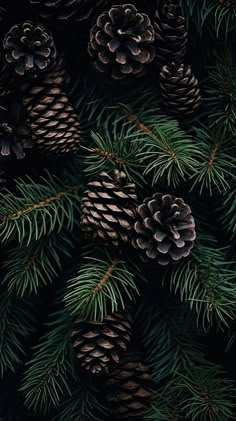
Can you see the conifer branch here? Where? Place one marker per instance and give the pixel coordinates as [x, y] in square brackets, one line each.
[180, 352]
[101, 285]
[206, 282]
[38, 209]
[30, 266]
[215, 166]
[45, 378]
[209, 396]
[108, 152]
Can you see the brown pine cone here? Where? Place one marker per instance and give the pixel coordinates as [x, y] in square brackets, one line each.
[99, 345]
[108, 208]
[29, 48]
[170, 35]
[54, 124]
[67, 10]
[165, 230]
[121, 42]
[128, 388]
[179, 90]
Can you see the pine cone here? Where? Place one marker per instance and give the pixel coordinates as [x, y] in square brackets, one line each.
[128, 388]
[121, 42]
[180, 90]
[52, 119]
[165, 230]
[108, 208]
[99, 344]
[67, 10]
[15, 135]
[29, 48]
[170, 35]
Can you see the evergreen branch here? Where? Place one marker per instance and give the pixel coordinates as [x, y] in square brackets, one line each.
[167, 153]
[45, 379]
[207, 283]
[38, 209]
[82, 404]
[108, 153]
[30, 267]
[172, 342]
[208, 396]
[16, 324]
[215, 165]
[220, 97]
[101, 285]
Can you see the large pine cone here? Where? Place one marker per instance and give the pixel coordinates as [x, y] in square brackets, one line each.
[121, 42]
[99, 345]
[108, 208]
[128, 388]
[67, 10]
[170, 35]
[165, 230]
[180, 90]
[54, 124]
[15, 134]
[29, 48]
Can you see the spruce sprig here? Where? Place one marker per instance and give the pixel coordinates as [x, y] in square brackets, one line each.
[207, 282]
[45, 379]
[36, 209]
[101, 285]
[35, 265]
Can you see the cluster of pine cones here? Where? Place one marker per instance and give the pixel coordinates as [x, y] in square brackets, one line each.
[36, 114]
[122, 44]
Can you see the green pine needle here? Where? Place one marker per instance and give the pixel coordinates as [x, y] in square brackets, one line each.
[99, 287]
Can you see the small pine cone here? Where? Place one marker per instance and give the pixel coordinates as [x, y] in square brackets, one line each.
[99, 345]
[54, 124]
[170, 35]
[128, 388]
[179, 90]
[108, 209]
[165, 230]
[15, 134]
[67, 10]
[29, 49]
[121, 42]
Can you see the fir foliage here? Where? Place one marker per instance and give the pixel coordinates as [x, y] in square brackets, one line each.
[102, 285]
[207, 282]
[31, 266]
[45, 378]
[35, 210]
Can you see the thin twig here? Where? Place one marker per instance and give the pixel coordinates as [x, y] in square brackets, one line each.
[105, 277]
[133, 118]
[45, 202]
[107, 155]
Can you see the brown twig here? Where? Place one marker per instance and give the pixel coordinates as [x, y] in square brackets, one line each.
[33, 258]
[105, 277]
[213, 155]
[133, 118]
[107, 155]
[45, 202]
